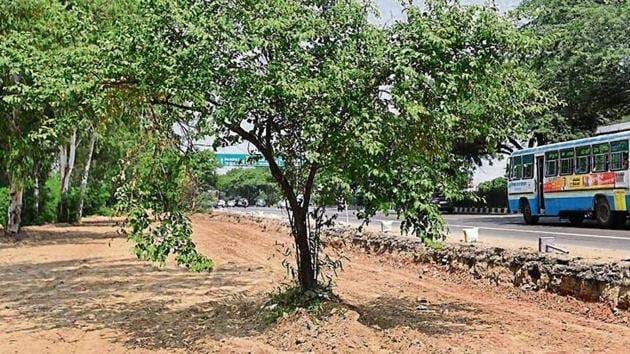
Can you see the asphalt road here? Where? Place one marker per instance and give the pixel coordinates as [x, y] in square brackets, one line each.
[512, 227]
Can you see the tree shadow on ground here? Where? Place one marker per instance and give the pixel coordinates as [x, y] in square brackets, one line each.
[169, 308]
[58, 234]
[156, 308]
[388, 312]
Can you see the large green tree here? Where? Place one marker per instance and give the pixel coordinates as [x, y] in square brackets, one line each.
[585, 59]
[31, 90]
[320, 93]
[54, 81]
[315, 85]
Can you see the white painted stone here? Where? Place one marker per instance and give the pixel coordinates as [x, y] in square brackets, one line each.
[471, 235]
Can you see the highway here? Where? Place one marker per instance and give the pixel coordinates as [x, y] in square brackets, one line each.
[512, 228]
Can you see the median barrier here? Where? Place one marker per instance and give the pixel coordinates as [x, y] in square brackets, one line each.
[607, 282]
[598, 281]
[470, 210]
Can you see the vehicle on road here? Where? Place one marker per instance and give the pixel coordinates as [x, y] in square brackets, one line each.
[341, 203]
[444, 205]
[243, 202]
[231, 203]
[260, 203]
[282, 204]
[573, 180]
[221, 203]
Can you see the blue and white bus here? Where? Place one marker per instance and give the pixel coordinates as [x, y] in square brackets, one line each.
[573, 180]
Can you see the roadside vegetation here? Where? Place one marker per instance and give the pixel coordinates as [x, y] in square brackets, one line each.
[489, 194]
[103, 105]
[250, 183]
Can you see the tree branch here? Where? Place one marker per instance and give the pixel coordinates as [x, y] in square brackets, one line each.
[505, 148]
[276, 172]
[308, 187]
[181, 106]
[516, 144]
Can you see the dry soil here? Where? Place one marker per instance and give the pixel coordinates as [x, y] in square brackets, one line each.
[78, 289]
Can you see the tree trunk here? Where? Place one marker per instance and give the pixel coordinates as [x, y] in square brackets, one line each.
[14, 215]
[306, 272]
[299, 225]
[36, 194]
[66, 164]
[84, 179]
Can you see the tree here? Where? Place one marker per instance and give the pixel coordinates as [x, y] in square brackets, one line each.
[458, 78]
[151, 195]
[493, 193]
[249, 183]
[86, 175]
[29, 78]
[55, 80]
[315, 85]
[203, 166]
[585, 59]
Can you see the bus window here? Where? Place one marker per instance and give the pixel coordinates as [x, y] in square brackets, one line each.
[551, 163]
[619, 155]
[583, 160]
[517, 168]
[600, 157]
[528, 166]
[566, 161]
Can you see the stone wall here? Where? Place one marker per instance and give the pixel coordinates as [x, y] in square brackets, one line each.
[587, 280]
[607, 282]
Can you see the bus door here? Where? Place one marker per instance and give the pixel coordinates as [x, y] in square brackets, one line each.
[540, 183]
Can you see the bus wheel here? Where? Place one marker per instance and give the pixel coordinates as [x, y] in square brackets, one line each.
[605, 217]
[527, 213]
[576, 219]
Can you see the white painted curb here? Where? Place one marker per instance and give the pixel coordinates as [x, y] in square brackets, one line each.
[467, 210]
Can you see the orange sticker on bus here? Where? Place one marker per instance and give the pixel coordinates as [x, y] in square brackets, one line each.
[580, 182]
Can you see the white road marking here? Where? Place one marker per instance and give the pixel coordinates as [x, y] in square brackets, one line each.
[516, 230]
[544, 232]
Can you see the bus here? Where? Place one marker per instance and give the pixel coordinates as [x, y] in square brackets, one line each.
[574, 180]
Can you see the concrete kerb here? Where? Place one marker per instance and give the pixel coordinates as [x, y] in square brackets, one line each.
[469, 210]
[607, 282]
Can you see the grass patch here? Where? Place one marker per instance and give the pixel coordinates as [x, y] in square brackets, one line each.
[288, 300]
[433, 244]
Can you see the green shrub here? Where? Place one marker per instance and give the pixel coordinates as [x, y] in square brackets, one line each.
[48, 200]
[494, 192]
[433, 244]
[96, 200]
[204, 201]
[48, 208]
[491, 194]
[249, 183]
[284, 301]
[4, 205]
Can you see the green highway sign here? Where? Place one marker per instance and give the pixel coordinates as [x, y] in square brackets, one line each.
[227, 159]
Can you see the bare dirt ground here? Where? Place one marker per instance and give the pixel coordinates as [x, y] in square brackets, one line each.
[77, 289]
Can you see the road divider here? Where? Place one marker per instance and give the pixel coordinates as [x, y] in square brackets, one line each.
[599, 281]
[465, 210]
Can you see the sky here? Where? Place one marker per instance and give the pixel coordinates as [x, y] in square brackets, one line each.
[390, 10]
